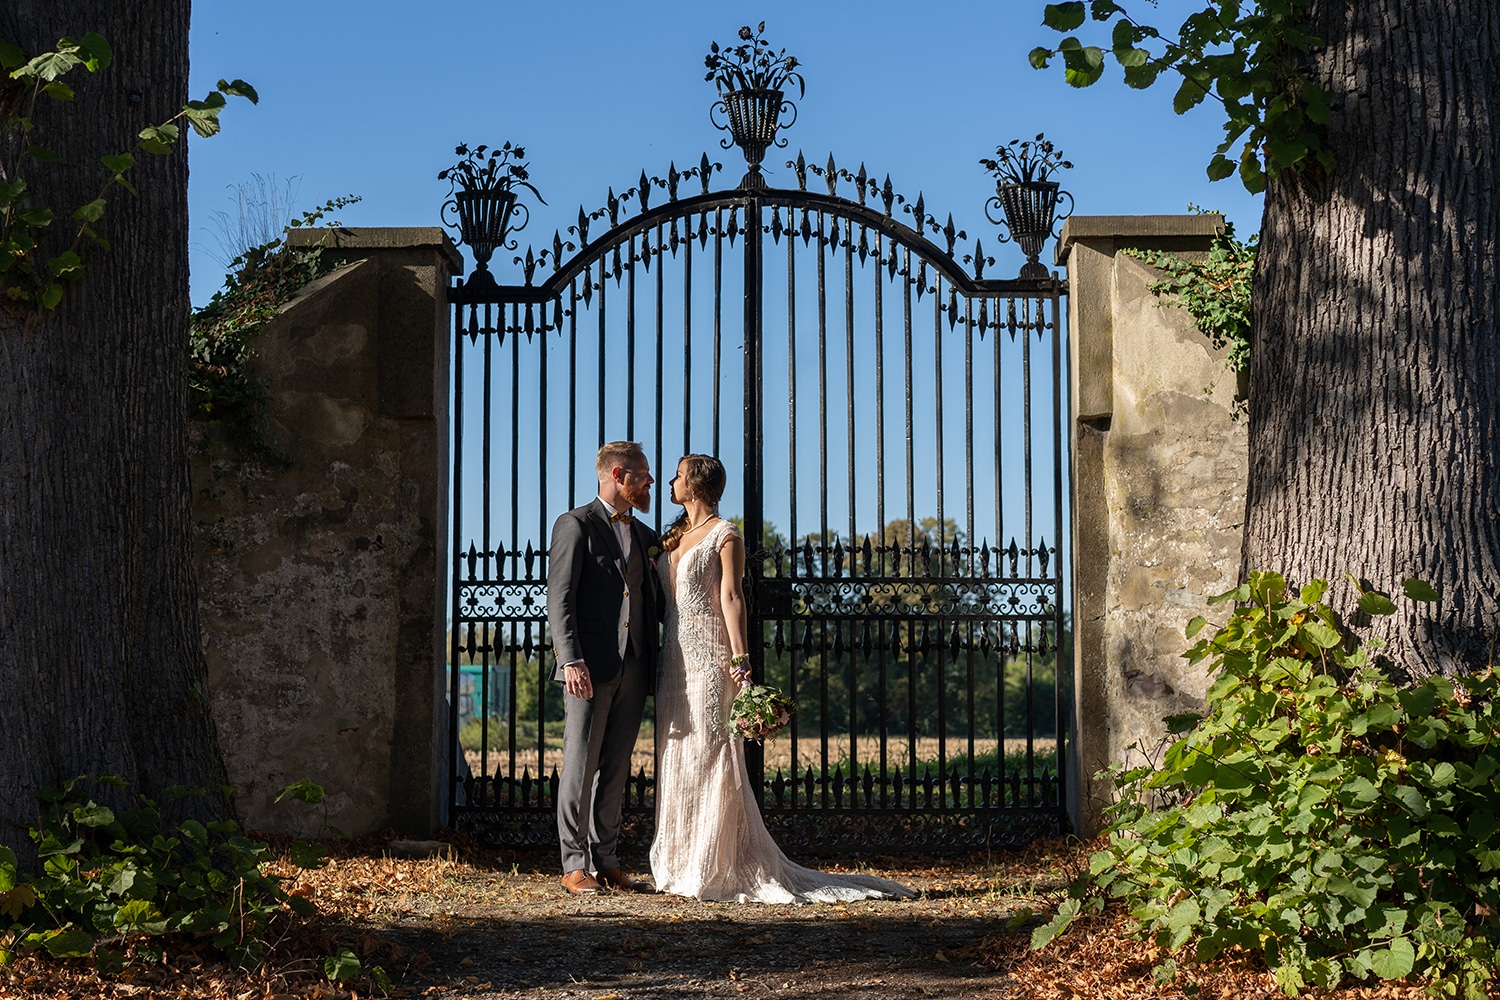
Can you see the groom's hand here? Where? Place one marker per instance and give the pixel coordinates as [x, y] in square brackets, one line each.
[576, 680]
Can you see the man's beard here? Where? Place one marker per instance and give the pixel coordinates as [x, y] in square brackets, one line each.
[639, 499]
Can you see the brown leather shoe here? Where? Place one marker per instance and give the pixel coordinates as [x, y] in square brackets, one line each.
[580, 883]
[616, 879]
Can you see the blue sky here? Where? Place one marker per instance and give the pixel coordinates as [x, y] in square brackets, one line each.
[370, 97]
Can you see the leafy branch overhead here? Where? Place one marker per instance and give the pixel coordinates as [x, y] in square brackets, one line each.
[24, 277]
[1246, 55]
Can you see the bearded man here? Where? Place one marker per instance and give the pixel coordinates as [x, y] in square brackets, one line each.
[604, 605]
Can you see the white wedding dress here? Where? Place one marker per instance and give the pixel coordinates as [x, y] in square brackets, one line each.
[711, 842]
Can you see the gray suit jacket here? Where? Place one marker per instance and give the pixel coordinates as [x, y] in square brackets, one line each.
[585, 581]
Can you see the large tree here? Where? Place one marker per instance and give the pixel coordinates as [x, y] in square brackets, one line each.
[1375, 364]
[101, 671]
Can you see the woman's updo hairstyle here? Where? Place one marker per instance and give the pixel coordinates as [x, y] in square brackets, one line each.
[703, 478]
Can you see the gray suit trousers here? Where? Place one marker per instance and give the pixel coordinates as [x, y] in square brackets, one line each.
[599, 734]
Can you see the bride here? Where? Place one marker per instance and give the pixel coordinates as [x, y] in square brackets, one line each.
[711, 842]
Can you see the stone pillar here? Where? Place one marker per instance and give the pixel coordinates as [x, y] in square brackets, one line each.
[322, 584]
[1158, 472]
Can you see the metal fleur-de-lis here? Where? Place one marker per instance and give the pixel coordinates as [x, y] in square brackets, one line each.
[831, 175]
[778, 641]
[859, 183]
[1042, 556]
[705, 172]
[888, 195]
[1013, 554]
[530, 561]
[643, 190]
[672, 178]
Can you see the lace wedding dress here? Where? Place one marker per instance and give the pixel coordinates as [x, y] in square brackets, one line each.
[710, 842]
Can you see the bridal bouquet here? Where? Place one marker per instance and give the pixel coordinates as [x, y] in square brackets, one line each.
[759, 712]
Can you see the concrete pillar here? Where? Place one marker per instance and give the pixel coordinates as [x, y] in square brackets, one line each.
[1158, 473]
[323, 584]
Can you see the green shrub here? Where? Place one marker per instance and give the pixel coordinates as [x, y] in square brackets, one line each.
[111, 878]
[1321, 815]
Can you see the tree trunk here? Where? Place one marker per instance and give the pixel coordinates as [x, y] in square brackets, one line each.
[1375, 374]
[101, 670]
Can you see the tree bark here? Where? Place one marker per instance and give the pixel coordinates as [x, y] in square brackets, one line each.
[101, 669]
[1375, 374]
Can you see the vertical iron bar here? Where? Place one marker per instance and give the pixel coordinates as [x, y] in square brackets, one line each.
[823, 665]
[791, 382]
[942, 524]
[630, 339]
[603, 355]
[1029, 544]
[849, 443]
[880, 539]
[967, 571]
[687, 341]
[754, 463]
[1000, 657]
[455, 500]
[661, 459]
[718, 314]
[911, 516]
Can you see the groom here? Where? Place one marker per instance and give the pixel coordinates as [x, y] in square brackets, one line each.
[603, 608]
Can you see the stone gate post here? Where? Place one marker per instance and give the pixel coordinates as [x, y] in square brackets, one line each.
[322, 584]
[1158, 474]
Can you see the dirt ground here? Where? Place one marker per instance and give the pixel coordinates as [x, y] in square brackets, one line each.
[479, 925]
[504, 932]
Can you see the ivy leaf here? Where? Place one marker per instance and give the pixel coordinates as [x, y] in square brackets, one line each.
[91, 814]
[239, 88]
[341, 965]
[58, 91]
[97, 53]
[1066, 914]
[140, 915]
[1375, 603]
[307, 855]
[47, 67]
[42, 154]
[67, 265]
[1419, 590]
[35, 218]
[91, 212]
[119, 164]
[49, 297]
[11, 55]
[1394, 962]
[1039, 57]
[1322, 635]
[68, 942]
[1064, 16]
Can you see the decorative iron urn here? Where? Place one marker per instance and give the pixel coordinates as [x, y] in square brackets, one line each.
[1026, 198]
[484, 218]
[482, 195]
[1029, 208]
[753, 118]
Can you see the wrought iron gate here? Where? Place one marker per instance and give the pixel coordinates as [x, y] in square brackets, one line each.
[891, 420]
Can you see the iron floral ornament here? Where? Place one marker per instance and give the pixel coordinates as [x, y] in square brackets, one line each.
[1027, 196]
[751, 78]
[482, 194]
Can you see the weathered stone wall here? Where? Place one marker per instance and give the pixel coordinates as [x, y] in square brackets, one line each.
[320, 583]
[1158, 473]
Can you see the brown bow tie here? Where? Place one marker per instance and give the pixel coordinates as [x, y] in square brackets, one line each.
[622, 516]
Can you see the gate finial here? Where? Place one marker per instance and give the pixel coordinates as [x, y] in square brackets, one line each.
[482, 194]
[1028, 198]
[750, 77]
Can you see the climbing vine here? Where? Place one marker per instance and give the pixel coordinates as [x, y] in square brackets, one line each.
[26, 279]
[1214, 291]
[221, 347]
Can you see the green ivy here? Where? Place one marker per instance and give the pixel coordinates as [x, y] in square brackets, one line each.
[26, 280]
[111, 878]
[1338, 824]
[1215, 291]
[221, 348]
